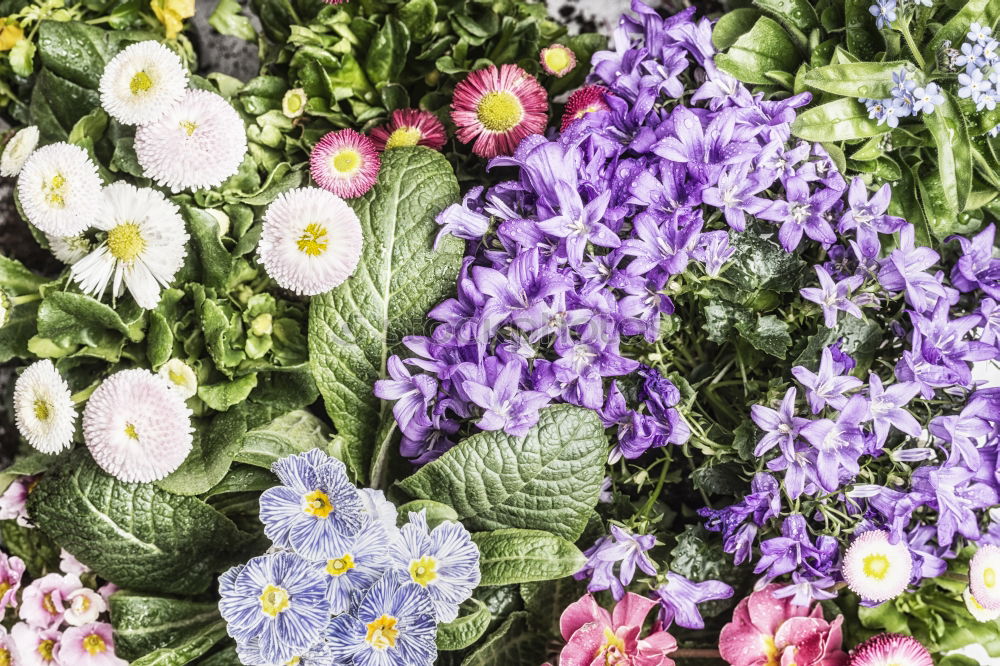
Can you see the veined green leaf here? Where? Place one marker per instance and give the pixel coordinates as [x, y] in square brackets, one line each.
[840, 120]
[215, 443]
[547, 480]
[295, 432]
[986, 12]
[798, 13]
[145, 623]
[473, 619]
[765, 48]
[525, 556]
[856, 79]
[355, 327]
[187, 650]
[514, 642]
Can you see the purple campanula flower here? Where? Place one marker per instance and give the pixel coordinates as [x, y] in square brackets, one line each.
[866, 216]
[834, 296]
[905, 270]
[713, 250]
[945, 342]
[802, 213]
[553, 317]
[956, 496]
[887, 408]
[679, 599]
[989, 311]
[735, 193]
[580, 224]
[621, 546]
[825, 387]
[977, 267]
[781, 426]
[805, 590]
[665, 245]
[413, 395]
[464, 220]
[965, 432]
[643, 304]
[784, 554]
[839, 444]
[505, 405]
[706, 150]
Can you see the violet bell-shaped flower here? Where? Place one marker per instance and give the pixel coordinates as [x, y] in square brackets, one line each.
[826, 386]
[834, 296]
[802, 212]
[866, 216]
[679, 599]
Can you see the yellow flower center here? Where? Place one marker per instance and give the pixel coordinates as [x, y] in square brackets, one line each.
[94, 644]
[346, 161]
[989, 577]
[4, 587]
[876, 566]
[382, 633]
[189, 127]
[81, 603]
[294, 103]
[340, 565]
[42, 410]
[140, 83]
[294, 661]
[584, 111]
[613, 648]
[314, 240]
[771, 651]
[402, 137]
[48, 604]
[131, 432]
[45, 649]
[318, 504]
[423, 571]
[5, 659]
[273, 600]
[55, 192]
[125, 242]
[557, 59]
[499, 111]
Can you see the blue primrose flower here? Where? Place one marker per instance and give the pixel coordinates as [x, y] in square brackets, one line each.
[276, 605]
[355, 564]
[444, 561]
[393, 626]
[315, 506]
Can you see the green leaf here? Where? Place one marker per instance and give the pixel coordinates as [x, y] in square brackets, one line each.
[186, 651]
[75, 51]
[295, 432]
[731, 25]
[224, 395]
[864, 40]
[228, 19]
[386, 57]
[146, 623]
[473, 620]
[17, 279]
[510, 556]
[437, 513]
[798, 13]
[90, 312]
[547, 480]
[765, 48]
[418, 16]
[91, 127]
[546, 600]
[856, 79]
[954, 151]
[215, 444]
[768, 334]
[355, 327]
[134, 534]
[986, 12]
[762, 264]
[22, 58]
[216, 262]
[515, 642]
[39, 553]
[243, 478]
[840, 120]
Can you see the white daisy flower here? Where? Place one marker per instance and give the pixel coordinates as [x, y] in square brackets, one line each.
[70, 249]
[180, 376]
[17, 151]
[875, 569]
[142, 82]
[143, 250]
[311, 241]
[43, 408]
[136, 427]
[984, 577]
[59, 189]
[197, 144]
[976, 609]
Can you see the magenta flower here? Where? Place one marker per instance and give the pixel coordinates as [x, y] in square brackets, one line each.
[887, 649]
[595, 637]
[44, 601]
[767, 630]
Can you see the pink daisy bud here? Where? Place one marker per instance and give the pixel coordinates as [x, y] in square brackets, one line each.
[136, 427]
[891, 650]
[410, 127]
[588, 99]
[345, 163]
[984, 577]
[498, 107]
[557, 60]
[89, 645]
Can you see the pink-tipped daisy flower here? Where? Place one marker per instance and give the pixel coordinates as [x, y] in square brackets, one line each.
[875, 569]
[136, 427]
[588, 99]
[410, 127]
[345, 163]
[891, 650]
[557, 60]
[89, 645]
[984, 577]
[498, 107]
[44, 601]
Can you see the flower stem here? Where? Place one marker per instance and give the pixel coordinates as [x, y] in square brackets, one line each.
[904, 27]
[27, 298]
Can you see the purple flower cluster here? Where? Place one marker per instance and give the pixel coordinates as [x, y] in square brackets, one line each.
[949, 325]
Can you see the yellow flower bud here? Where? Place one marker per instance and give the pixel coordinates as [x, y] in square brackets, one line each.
[171, 13]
